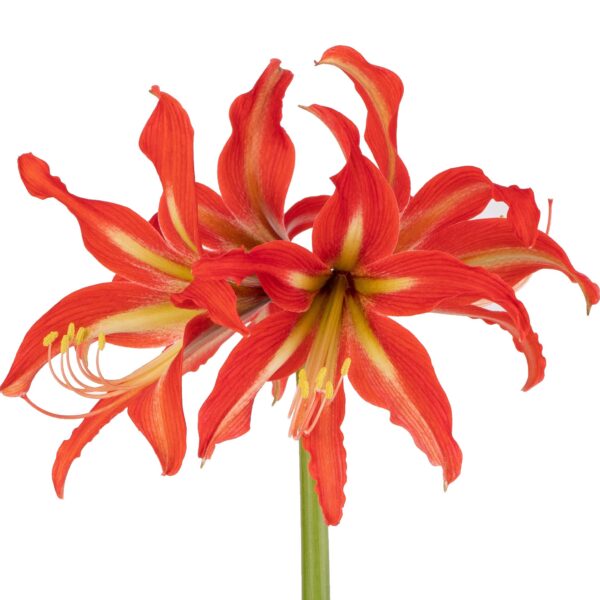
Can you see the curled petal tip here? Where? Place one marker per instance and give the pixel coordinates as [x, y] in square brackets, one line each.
[155, 91]
[446, 484]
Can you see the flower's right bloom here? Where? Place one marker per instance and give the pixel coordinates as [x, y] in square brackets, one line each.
[378, 251]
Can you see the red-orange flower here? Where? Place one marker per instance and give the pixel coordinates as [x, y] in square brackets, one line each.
[378, 252]
[333, 322]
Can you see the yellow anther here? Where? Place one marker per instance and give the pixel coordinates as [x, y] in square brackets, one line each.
[302, 376]
[50, 338]
[65, 342]
[320, 378]
[329, 391]
[101, 341]
[304, 389]
[346, 366]
[81, 333]
[71, 331]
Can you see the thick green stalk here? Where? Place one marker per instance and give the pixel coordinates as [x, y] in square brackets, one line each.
[315, 539]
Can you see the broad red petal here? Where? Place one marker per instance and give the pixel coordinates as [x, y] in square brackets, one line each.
[168, 141]
[126, 313]
[158, 413]
[493, 244]
[529, 345]
[301, 215]
[359, 223]
[257, 162]
[117, 236]
[289, 274]
[391, 369]
[460, 194]
[84, 433]
[381, 91]
[327, 465]
[523, 213]
[275, 348]
[419, 281]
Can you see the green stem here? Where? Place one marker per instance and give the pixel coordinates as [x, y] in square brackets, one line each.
[315, 539]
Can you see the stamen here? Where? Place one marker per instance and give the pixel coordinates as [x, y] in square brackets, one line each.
[81, 333]
[320, 378]
[71, 331]
[64, 343]
[90, 413]
[50, 338]
[329, 391]
[101, 341]
[346, 366]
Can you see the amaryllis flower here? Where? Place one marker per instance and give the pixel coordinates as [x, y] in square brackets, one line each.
[154, 300]
[334, 322]
[442, 214]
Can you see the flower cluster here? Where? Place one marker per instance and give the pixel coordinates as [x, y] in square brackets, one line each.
[210, 264]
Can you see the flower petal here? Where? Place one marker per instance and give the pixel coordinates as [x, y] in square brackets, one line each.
[84, 433]
[460, 194]
[117, 236]
[301, 215]
[158, 413]
[275, 348]
[126, 313]
[359, 223]
[217, 297]
[289, 274]
[327, 464]
[218, 228]
[529, 345]
[523, 213]
[155, 408]
[343, 129]
[168, 141]
[381, 91]
[419, 281]
[257, 162]
[492, 244]
[391, 369]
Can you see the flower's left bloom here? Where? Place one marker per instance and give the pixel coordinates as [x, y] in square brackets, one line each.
[152, 301]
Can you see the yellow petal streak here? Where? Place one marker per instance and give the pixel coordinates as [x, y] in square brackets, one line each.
[352, 244]
[375, 285]
[369, 342]
[156, 261]
[147, 318]
[176, 219]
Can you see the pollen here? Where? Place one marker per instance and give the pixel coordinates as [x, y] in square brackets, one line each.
[346, 366]
[101, 341]
[65, 342]
[329, 391]
[304, 389]
[320, 379]
[71, 332]
[80, 336]
[50, 338]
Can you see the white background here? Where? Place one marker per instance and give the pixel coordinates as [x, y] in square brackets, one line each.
[510, 87]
